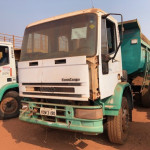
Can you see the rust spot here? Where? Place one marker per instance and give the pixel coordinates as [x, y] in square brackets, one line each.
[118, 89]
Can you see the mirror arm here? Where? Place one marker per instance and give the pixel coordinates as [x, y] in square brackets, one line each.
[112, 58]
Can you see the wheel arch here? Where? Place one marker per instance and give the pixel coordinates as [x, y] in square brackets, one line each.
[127, 93]
[113, 103]
[8, 87]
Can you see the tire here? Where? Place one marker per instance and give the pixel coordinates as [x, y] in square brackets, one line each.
[10, 105]
[118, 126]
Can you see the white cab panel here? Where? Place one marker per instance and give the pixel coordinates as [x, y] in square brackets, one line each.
[68, 81]
[8, 71]
[108, 82]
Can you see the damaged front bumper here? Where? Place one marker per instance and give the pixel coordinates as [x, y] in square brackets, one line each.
[66, 116]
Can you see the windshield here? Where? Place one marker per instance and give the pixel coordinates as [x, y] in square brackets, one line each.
[72, 36]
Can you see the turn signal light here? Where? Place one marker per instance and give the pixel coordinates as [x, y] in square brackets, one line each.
[92, 114]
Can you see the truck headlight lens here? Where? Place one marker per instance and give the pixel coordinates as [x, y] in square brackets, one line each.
[92, 114]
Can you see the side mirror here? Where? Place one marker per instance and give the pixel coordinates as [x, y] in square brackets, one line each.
[122, 30]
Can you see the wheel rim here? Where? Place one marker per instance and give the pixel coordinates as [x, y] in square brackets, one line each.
[9, 105]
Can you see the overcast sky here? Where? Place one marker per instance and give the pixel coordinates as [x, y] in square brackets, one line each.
[15, 15]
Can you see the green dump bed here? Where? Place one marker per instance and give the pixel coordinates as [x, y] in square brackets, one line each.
[135, 48]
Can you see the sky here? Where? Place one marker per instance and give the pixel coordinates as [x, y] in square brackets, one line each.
[15, 15]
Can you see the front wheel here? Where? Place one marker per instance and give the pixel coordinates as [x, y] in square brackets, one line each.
[10, 105]
[118, 126]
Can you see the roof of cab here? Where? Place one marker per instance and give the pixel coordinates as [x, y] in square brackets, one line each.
[5, 43]
[91, 10]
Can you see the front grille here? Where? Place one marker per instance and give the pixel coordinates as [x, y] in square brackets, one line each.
[48, 118]
[53, 94]
[60, 113]
[64, 113]
[53, 84]
[54, 89]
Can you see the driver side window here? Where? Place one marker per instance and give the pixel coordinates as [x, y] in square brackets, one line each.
[111, 36]
[108, 43]
[4, 56]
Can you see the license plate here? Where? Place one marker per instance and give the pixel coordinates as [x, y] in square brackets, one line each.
[48, 112]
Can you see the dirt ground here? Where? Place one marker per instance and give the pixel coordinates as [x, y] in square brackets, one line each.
[18, 135]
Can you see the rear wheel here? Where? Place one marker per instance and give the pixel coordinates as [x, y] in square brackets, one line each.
[10, 105]
[118, 126]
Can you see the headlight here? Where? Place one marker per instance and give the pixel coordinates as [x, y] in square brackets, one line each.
[92, 114]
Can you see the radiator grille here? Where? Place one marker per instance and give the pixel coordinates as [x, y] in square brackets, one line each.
[54, 89]
[53, 84]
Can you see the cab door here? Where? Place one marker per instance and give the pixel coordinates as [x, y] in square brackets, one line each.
[110, 71]
[5, 69]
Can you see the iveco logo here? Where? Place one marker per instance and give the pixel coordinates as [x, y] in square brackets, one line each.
[70, 79]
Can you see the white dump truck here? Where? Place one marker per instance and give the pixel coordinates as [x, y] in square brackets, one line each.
[71, 74]
[9, 89]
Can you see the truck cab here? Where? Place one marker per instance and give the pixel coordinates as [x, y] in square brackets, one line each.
[7, 64]
[9, 97]
[68, 78]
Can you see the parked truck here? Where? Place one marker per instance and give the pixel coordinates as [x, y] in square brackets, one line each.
[9, 88]
[71, 75]
[135, 51]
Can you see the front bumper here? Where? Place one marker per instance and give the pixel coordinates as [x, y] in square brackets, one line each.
[64, 118]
